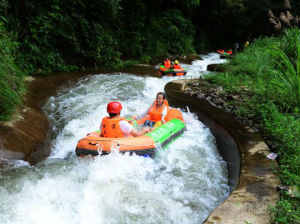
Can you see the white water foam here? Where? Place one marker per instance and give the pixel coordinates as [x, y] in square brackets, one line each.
[183, 184]
[199, 67]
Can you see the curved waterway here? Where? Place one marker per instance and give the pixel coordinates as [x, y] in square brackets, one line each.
[184, 183]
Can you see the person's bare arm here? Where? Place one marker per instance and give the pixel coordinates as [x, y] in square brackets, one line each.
[136, 133]
[144, 114]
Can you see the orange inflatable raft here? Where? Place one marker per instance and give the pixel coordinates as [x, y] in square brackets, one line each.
[145, 145]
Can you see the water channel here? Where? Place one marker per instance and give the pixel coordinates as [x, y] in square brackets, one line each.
[184, 183]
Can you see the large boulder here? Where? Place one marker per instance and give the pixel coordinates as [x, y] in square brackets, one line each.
[215, 68]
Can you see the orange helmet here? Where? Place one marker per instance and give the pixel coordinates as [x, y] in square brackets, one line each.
[114, 107]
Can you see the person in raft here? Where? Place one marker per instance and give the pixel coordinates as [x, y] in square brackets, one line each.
[167, 63]
[229, 52]
[176, 65]
[246, 44]
[116, 127]
[156, 113]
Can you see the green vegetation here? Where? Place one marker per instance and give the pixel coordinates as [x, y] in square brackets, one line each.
[268, 70]
[287, 70]
[11, 76]
[55, 35]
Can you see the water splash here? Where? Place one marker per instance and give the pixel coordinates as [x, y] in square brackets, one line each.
[182, 184]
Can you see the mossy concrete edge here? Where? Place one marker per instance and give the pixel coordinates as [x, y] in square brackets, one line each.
[250, 172]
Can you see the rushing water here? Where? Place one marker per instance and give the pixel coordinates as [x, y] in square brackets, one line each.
[182, 184]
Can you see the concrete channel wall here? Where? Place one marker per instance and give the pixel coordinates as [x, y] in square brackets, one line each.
[250, 173]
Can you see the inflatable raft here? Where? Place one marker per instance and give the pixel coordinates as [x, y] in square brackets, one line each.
[145, 145]
[171, 72]
[225, 54]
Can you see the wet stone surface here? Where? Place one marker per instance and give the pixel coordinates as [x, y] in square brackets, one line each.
[217, 97]
[215, 68]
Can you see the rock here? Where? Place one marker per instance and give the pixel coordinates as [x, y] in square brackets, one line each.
[236, 97]
[227, 110]
[213, 104]
[29, 78]
[272, 21]
[215, 68]
[188, 90]
[229, 97]
[250, 116]
[270, 13]
[219, 101]
[200, 96]
[284, 19]
[282, 187]
[202, 82]
[185, 59]
[287, 4]
[294, 191]
[219, 90]
[193, 57]
[289, 16]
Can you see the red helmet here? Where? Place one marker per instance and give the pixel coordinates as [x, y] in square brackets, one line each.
[114, 107]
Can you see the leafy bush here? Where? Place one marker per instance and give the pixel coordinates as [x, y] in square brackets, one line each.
[145, 34]
[107, 53]
[11, 77]
[170, 33]
[287, 72]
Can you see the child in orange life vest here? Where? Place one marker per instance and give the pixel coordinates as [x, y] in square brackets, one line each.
[156, 112]
[176, 65]
[167, 63]
[116, 127]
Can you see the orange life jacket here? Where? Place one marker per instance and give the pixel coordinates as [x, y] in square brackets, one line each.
[167, 64]
[177, 66]
[110, 127]
[155, 113]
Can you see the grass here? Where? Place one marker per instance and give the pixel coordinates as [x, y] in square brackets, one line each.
[287, 73]
[269, 70]
[11, 77]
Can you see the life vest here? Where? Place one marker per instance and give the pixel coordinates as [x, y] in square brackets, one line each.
[155, 113]
[167, 64]
[110, 127]
[177, 66]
